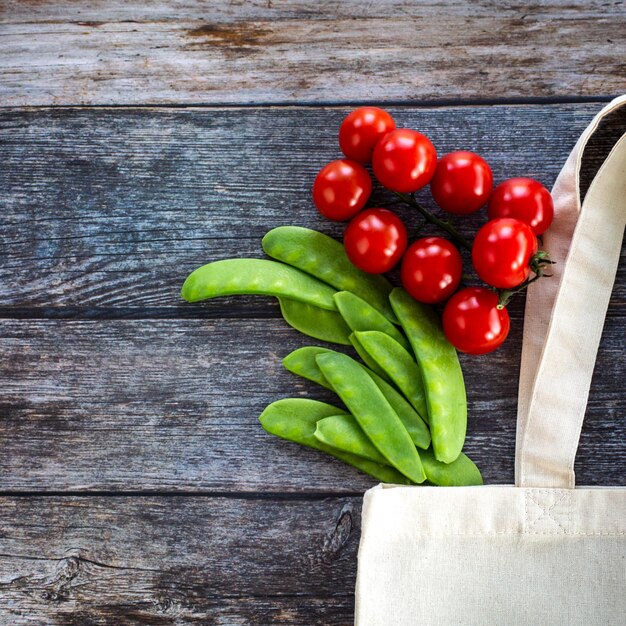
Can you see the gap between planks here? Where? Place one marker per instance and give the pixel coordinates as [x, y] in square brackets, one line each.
[338, 104]
[272, 496]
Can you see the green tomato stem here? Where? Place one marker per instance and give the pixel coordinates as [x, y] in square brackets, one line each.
[537, 265]
[429, 217]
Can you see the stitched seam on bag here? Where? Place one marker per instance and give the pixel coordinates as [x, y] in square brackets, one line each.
[542, 508]
[525, 511]
[545, 512]
[569, 514]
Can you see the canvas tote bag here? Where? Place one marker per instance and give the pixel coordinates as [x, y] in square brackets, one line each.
[541, 552]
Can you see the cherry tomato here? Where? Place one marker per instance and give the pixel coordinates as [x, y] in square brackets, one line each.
[472, 321]
[360, 131]
[462, 182]
[431, 269]
[375, 240]
[502, 252]
[404, 160]
[524, 199]
[341, 189]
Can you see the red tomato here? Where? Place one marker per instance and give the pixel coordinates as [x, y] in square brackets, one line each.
[502, 252]
[341, 189]
[462, 182]
[360, 131]
[431, 269]
[375, 240]
[524, 199]
[472, 321]
[404, 160]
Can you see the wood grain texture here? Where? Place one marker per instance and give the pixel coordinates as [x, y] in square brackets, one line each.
[295, 51]
[160, 561]
[110, 385]
[106, 211]
[173, 404]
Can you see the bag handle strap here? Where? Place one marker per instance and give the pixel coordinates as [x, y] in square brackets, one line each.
[565, 315]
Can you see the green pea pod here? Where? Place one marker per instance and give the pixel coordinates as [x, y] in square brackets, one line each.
[399, 366]
[295, 419]
[325, 258]
[373, 413]
[360, 315]
[315, 322]
[256, 276]
[302, 362]
[343, 432]
[462, 472]
[441, 373]
[366, 358]
[414, 424]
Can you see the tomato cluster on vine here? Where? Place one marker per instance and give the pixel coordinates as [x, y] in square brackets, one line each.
[505, 250]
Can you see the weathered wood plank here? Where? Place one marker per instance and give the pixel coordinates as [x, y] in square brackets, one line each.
[158, 561]
[173, 405]
[107, 210]
[113, 243]
[292, 51]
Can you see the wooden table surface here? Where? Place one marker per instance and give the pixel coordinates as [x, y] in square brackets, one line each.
[140, 140]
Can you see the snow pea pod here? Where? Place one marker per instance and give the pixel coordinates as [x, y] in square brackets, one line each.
[325, 258]
[295, 419]
[302, 362]
[366, 358]
[256, 276]
[343, 432]
[441, 373]
[414, 424]
[398, 364]
[315, 322]
[373, 413]
[461, 472]
[360, 315]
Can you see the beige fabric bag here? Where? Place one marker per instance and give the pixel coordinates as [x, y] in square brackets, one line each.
[541, 552]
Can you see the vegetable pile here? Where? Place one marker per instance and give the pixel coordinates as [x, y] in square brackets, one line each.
[504, 253]
[408, 391]
[405, 412]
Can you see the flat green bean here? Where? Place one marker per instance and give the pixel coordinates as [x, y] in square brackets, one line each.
[302, 362]
[398, 364]
[315, 322]
[366, 358]
[343, 432]
[373, 413]
[256, 276]
[295, 419]
[461, 472]
[441, 374]
[360, 315]
[414, 424]
[325, 258]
